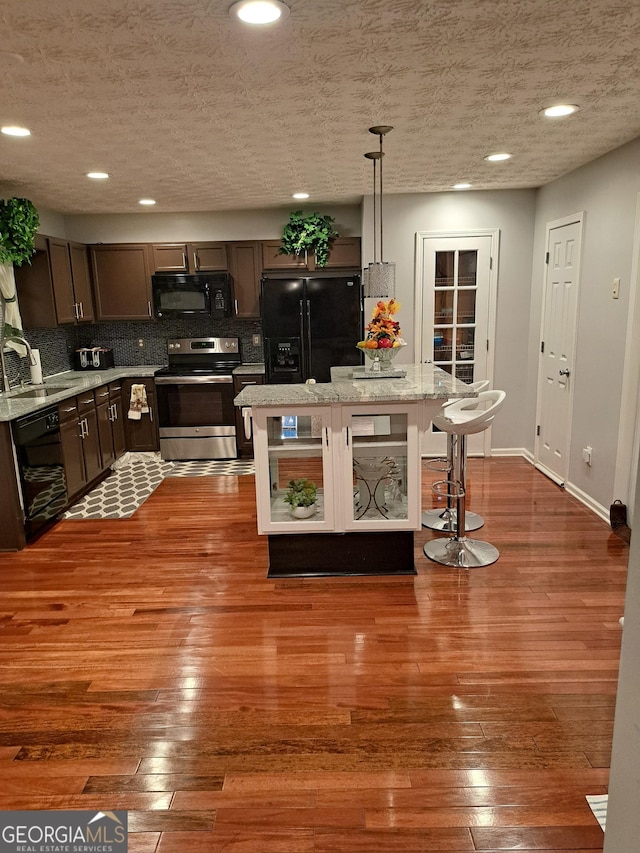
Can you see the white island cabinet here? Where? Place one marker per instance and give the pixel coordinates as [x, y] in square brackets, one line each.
[358, 441]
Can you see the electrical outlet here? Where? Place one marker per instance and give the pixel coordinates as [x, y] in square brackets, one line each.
[140, 343]
[256, 340]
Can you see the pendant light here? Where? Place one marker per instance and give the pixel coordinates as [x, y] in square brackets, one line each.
[379, 278]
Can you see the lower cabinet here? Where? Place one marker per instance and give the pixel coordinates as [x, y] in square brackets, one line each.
[116, 416]
[245, 445]
[80, 440]
[141, 435]
[364, 461]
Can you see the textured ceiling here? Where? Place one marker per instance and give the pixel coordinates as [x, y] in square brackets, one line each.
[181, 103]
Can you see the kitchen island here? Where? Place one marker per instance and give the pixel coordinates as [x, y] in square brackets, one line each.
[358, 441]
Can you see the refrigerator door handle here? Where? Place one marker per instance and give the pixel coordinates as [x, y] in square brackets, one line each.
[304, 356]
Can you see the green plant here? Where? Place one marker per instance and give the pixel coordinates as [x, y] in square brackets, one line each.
[301, 493]
[19, 222]
[308, 231]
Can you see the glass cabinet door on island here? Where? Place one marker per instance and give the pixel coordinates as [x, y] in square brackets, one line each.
[383, 486]
[294, 471]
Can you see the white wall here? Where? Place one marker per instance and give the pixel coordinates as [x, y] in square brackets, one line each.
[510, 211]
[606, 191]
[178, 227]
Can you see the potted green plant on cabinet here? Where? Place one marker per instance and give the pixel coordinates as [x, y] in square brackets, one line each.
[308, 232]
[301, 497]
[18, 225]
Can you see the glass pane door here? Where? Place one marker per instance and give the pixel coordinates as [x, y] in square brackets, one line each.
[296, 468]
[454, 317]
[379, 468]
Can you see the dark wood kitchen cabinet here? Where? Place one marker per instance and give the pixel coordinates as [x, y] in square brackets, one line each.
[122, 281]
[189, 257]
[80, 441]
[55, 288]
[142, 435]
[105, 431]
[245, 266]
[245, 445]
[344, 253]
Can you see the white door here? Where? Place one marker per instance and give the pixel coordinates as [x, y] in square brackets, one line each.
[455, 286]
[557, 348]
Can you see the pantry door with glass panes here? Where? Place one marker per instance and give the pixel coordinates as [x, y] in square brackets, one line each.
[456, 291]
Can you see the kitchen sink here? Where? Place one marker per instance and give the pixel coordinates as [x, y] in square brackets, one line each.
[40, 392]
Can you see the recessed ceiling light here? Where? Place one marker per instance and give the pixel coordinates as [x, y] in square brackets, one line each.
[300, 195]
[559, 110]
[463, 185]
[16, 131]
[498, 156]
[98, 176]
[259, 11]
[147, 201]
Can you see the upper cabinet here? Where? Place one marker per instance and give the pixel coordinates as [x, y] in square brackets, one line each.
[55, 288]
[343, 254]
[189, 257]
[122, 281]
[246, 268]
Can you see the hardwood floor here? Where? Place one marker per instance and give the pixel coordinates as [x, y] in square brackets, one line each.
[148, 664]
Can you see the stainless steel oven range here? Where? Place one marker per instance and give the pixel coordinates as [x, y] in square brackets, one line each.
[196, 416]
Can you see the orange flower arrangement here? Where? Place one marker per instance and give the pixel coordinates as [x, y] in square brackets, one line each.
[383, 332]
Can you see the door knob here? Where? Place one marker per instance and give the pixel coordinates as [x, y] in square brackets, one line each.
[565, 372]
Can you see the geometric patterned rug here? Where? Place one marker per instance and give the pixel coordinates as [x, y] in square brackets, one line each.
[136, 476]
[598, 805]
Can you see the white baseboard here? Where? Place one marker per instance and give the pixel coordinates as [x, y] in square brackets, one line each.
[588, 501]
[513, 451]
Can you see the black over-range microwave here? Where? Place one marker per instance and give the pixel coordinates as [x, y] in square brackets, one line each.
[188, 295]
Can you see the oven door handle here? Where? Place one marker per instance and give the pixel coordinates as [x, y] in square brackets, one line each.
[194, 380]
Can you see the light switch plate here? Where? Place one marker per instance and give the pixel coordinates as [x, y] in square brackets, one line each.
[615, 288]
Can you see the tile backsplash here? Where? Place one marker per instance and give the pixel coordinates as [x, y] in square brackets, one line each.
[57, 345]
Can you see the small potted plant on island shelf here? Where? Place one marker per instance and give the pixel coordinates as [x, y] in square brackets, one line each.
[301, 497]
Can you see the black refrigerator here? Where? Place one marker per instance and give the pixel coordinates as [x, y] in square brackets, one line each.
[310, 324]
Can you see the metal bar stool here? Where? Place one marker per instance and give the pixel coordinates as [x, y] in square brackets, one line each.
[444, 520]
[464, 417]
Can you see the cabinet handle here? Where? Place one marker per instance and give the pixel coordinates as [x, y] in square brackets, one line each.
[151, 413]
[72, 409]
[75, 310]
[184, 260]
[326, 436]
[235, 306]
[103, 394]
[196, 265]
[348, 435]
[81, 311]
[149, 308]
[81, 424]
[87, 402]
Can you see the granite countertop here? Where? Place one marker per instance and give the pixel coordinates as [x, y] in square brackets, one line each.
[254, 368]
[422, 382]
[67, 385]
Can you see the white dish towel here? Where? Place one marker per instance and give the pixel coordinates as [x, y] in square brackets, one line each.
[138, 405]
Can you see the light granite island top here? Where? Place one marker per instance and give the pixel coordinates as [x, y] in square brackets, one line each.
[422, 382]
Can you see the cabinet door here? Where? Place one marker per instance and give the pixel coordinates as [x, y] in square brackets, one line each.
[344, 252]
[62, 280]
[117, 419]
[245, 445]
[170, 257]
[245, 268]
[91, 445]
[378, 460]
[105, 432]
[207, 257]
[73, 456]
[122, 281]
[272, 260]
[35, 289]
[79, 259]
[293, 444]
[141, 435]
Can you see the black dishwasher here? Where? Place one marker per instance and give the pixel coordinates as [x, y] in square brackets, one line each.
[41, 469]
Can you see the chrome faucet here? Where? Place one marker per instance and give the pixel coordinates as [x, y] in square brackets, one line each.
[19, 340]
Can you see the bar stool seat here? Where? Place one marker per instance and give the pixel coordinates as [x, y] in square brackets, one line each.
[464, 417]
[444, 520]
